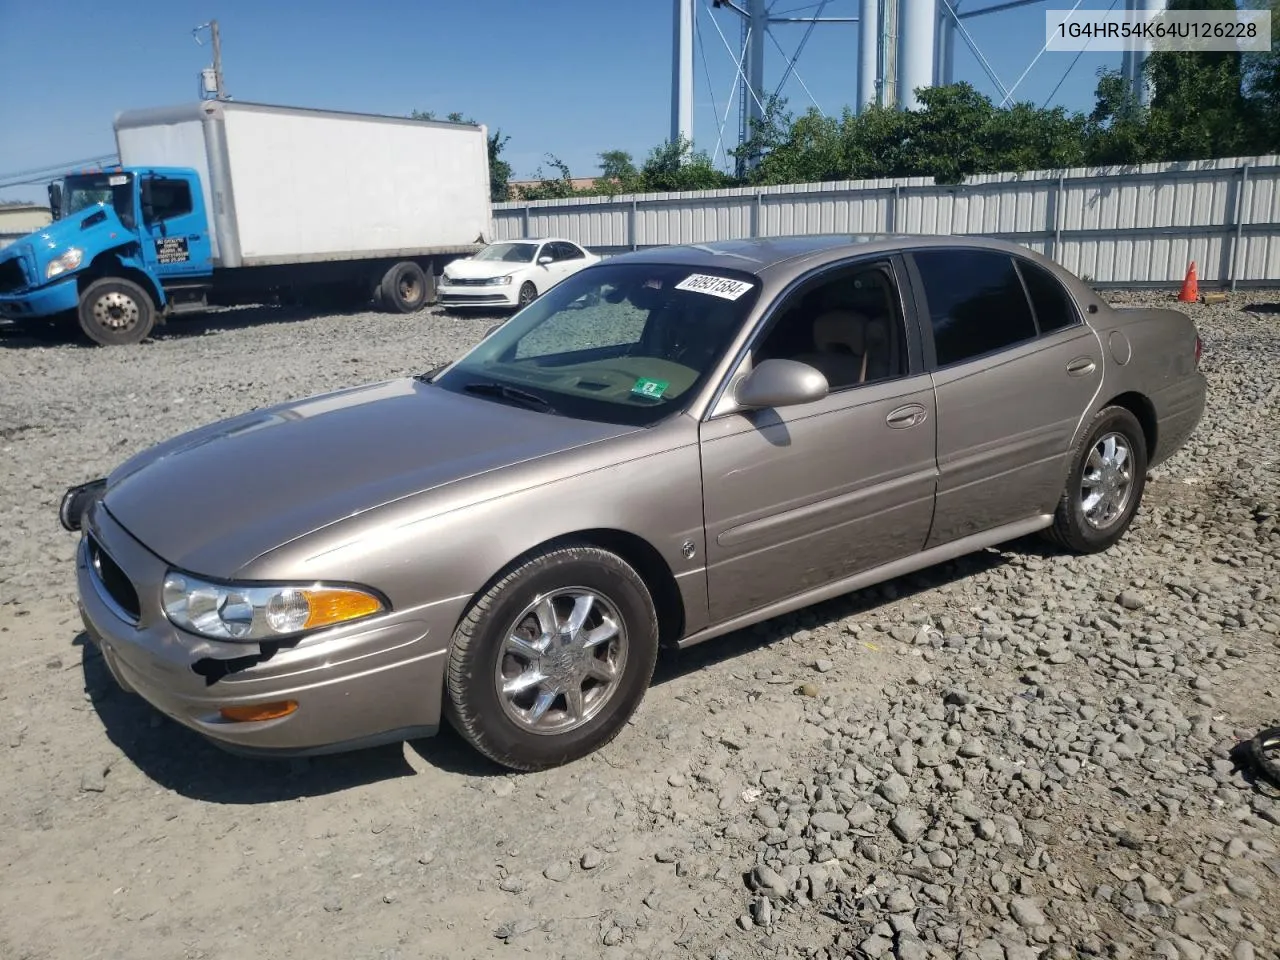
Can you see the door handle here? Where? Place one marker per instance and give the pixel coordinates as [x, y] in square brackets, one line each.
[1081, 367]
[907, 416]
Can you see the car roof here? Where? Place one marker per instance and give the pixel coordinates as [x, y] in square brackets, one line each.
[494, 243]
[767, 255]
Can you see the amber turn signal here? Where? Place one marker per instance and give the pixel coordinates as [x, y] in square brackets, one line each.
[259, 711]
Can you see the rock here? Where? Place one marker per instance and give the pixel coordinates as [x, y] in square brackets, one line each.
[1026, 912]
[895, 789]
[1243, 887]
[908, 825]
[972, 749]
[824, 666]
[875, 947]
[558, 872]
[503, 788]
[1243, 951]
[591, 859]
[1130, 600]
[859, 815]
[93, 779]
[770, 881]
[332, 906]
[612, 937]
[762, 911]
[511, 885]
[829, 822]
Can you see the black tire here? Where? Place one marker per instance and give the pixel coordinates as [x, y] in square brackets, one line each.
[473, 704]
[1071, 528]
[114, 312]
[404, 288]
[528, 294]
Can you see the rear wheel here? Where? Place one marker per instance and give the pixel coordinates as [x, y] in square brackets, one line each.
[404, 288]
[114, 312]
[1104, 489]
[553, 660]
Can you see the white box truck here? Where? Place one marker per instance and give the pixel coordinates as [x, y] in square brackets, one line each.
[223, 202]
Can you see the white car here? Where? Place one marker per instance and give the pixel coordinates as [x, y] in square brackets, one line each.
[511, 273]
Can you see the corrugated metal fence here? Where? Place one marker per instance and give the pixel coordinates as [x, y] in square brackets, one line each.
[1117, 226]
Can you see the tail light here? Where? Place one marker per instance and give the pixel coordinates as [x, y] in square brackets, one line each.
[1199, 350]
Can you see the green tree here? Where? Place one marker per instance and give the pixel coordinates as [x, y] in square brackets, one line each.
[549, 188]
[618, 174]
[675, 165]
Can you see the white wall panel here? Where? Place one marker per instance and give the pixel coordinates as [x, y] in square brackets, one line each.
[1118, 225]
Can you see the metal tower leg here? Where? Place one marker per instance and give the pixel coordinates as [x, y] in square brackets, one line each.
[869, 75]
[682, 72]
[919, 21]
[757, 23]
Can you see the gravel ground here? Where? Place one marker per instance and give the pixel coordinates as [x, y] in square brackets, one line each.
[1015, 755]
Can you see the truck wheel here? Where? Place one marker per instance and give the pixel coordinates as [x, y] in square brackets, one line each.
[114, 312]
[404, 288]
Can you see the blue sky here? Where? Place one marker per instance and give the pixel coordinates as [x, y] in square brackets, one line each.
[569, 77]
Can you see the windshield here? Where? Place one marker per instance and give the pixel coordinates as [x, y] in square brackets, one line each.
[114, 190]
[619, 342]
[508, 252]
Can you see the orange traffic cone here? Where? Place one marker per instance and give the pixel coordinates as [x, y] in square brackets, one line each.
[1190, 292]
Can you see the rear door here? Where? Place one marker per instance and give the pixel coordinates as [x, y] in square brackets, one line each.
[1014, 368]
[797, 497]
[175, 228]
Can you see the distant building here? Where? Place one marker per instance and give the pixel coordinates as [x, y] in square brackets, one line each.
[19, 219]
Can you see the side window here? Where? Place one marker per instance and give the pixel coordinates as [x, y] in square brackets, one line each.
[976, 303]
[1049, 298]
[848, 325]
[569, 251]
[170, 198]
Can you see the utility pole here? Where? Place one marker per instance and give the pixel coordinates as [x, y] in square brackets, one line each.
[219, 92]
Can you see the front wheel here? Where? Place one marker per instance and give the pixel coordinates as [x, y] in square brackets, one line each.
[528, 293]
[114, 312]
[553, 660]
[1108, 476]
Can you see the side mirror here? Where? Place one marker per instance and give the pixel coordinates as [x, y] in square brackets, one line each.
[148, 208]
[543, 261]
[55, 200]
[780, 383]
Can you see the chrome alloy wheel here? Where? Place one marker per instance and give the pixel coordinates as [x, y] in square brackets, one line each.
[1107, 481]
[116, 311]
[561, 661]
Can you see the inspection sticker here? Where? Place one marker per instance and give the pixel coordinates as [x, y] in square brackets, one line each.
[716, 286]
[650, 388]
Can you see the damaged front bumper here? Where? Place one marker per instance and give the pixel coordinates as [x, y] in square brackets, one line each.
[354, 686]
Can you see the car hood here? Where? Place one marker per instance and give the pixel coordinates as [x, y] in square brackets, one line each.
[482, 269]
[213, 500]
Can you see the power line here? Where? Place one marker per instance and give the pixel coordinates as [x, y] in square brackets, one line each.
[66, 164]
[1049, 99]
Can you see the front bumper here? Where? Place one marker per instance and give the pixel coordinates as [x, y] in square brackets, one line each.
[359, 685]
[44, 301]
[478, 296]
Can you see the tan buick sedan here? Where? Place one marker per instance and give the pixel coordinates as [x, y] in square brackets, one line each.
[665, 447]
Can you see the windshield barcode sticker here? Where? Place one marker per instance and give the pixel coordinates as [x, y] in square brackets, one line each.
[716, 286]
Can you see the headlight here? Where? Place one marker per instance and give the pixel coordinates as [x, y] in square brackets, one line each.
[251, 613]
[68, 259]
[499, 281]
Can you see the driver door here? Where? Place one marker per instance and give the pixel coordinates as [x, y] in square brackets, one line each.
[800, 496]
[175, 229]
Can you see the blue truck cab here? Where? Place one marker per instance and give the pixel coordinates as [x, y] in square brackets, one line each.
[127, 247]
